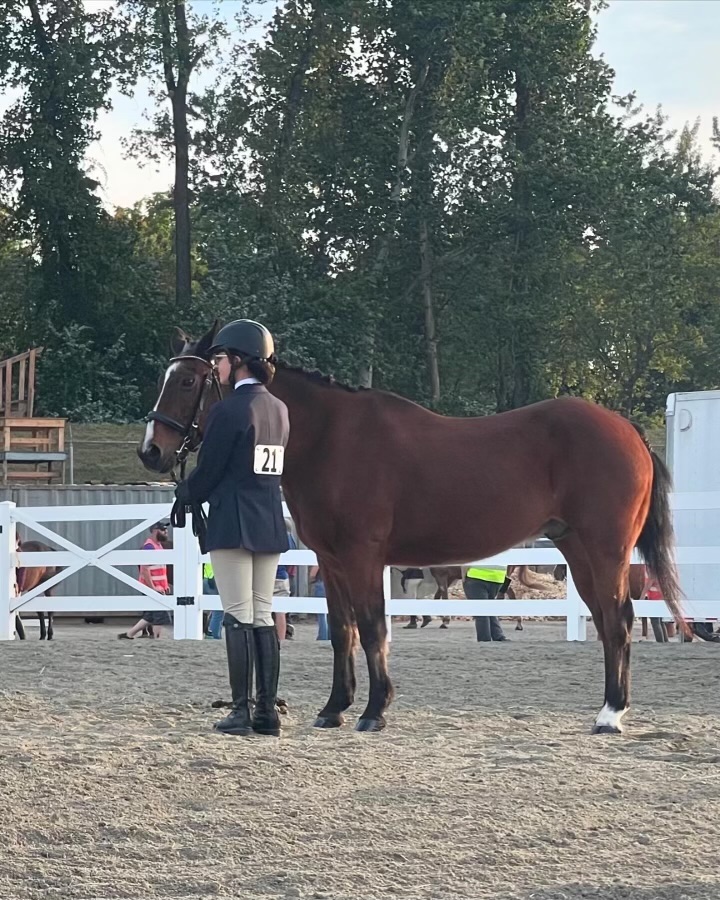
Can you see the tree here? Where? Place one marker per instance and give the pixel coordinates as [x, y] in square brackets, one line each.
[647, 311]
[61, 60]
[175, 42]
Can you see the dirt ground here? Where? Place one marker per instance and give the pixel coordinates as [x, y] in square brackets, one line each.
[486, 783]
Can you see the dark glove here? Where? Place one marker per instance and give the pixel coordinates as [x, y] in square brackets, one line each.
[182, 493]
[178, 517]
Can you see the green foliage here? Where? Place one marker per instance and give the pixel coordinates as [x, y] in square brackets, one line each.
[96, 392]
[440, 197]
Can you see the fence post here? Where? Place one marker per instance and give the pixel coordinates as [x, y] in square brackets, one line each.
[387, 593]
[7, 570]
[576, 620]
[187, 584]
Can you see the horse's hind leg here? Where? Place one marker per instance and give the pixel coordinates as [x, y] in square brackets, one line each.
[43, 630]
[603, 584]
[610, 577]
[19, 628]
[343, 637]
[574, 552]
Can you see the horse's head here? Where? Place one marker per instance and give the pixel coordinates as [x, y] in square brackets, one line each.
[189, 388]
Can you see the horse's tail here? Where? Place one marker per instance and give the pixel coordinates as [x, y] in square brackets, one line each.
[657, 540]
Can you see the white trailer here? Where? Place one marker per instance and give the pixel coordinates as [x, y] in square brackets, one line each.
[693, 456]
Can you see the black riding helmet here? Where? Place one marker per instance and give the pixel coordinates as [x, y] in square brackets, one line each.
[245, 338]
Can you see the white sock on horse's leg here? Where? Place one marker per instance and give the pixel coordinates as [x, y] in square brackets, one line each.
[610, 718]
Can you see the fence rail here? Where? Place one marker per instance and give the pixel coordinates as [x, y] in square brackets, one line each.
[188, 602]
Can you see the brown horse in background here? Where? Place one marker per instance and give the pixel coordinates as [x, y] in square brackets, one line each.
[372, 480]
[30, 577]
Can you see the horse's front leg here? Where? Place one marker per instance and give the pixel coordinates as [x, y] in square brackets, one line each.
[19, 628]
[343, 636]
[51, 629]
[365, 578]
[43, 630]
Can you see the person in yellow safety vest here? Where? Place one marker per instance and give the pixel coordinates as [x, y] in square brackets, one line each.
[216, 616]
[484, 583]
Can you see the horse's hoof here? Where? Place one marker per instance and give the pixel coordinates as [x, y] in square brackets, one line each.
[330, 720]
[606, 729]
[370, 724]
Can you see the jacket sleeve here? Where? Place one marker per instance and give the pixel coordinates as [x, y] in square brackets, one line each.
[221, 433]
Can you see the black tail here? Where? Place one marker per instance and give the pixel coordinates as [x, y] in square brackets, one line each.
[657, 541]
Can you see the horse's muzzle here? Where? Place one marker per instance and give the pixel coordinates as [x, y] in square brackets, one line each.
[151, 457]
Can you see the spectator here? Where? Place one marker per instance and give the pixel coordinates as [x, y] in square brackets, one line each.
[153, 576]
[216, 616]
[485, 584]
[282, 589]
[317, 589]
[651, 591]
[410, 582]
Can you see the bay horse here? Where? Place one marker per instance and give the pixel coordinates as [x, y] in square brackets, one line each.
[568, 469]
[28, 578]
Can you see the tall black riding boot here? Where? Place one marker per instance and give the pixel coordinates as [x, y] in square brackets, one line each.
[241, 665]
[267, 672]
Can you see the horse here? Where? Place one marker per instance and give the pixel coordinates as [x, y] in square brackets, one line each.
[580, 474]
[30, 577]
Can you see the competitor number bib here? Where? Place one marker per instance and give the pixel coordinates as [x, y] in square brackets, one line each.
[269, 459]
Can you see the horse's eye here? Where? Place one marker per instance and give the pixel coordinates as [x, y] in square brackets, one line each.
[188, 382]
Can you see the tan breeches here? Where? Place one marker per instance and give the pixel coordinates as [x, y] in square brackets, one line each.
[245, 583]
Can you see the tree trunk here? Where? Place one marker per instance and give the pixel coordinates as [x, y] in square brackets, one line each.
[181, 202]
[176, 55]
[516, 344]
[365, 370]
[429, 311]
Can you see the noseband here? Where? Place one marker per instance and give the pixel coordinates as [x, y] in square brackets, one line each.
[190, 432]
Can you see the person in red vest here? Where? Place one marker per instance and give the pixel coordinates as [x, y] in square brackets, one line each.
[651, 590]
[155, 577]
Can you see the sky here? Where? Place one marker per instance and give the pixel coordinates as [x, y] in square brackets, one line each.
[664, 50]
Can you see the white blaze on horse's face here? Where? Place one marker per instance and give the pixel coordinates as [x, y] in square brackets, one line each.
[149, 437]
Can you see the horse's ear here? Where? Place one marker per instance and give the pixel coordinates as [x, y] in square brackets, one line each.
[178, 342]
[202, 348]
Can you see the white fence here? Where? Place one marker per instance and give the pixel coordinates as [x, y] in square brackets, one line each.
[188, 602]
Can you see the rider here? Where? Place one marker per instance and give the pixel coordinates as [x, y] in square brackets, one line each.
[238, 472]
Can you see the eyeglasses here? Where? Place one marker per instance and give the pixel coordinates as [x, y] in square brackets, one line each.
[215, 360]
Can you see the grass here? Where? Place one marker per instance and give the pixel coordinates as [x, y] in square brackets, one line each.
[106, 454]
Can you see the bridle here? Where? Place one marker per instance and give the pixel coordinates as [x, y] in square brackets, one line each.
[190, 432]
